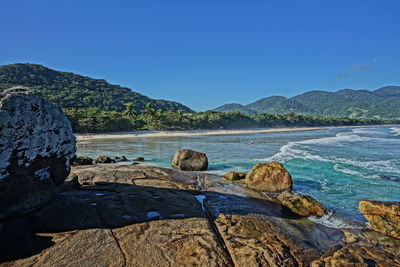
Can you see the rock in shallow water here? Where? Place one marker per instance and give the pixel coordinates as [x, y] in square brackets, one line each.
[104, 160]
[269, 177]
[302, 205]
[36, 146]
[189, 160]
[384, 217]
[82, 160]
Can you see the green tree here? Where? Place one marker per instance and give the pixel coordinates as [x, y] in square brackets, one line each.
[129, 112]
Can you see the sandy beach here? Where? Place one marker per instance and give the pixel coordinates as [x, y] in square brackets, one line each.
[138, 134]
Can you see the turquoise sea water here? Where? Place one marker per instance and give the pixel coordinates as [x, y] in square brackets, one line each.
[338, 167]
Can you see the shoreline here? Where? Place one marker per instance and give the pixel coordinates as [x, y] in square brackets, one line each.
[185, 133]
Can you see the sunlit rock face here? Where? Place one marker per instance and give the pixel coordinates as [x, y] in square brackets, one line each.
[36, 146]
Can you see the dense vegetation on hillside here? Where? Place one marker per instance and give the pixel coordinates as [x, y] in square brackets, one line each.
[235, 107]
[93, 105]
[95, 120]
[381, 103]
[69, 90]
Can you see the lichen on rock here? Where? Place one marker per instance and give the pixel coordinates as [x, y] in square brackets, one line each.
[302, 205]
[269, 177]
[36, 146]
[384, 217]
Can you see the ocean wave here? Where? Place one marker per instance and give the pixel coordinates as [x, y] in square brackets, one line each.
[367, 130]
[303, 150]
[294, 149]
[389, 166]
[395, 131]
[349, 171]
[332, 220]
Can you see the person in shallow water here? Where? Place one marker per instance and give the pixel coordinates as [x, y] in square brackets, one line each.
[251, 142]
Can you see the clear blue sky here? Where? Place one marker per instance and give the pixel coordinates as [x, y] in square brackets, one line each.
[205, 53]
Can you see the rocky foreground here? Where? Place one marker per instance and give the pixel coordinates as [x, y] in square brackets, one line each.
[119, 215]
[124, 215]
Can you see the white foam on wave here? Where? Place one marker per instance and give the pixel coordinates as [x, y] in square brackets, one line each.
[332, 220]
[298, 149]
[395, 131]
[391, 165]
[294, 149]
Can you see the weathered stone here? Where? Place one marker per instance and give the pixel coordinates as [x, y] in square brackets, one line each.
[384, 217]
[36, 146]
[269, 177]
[233, 176]
[103, 159]
[359, 254]
[138, 159]
[189, 160]
[302, 205]
[82, 160]
[123, 158]
[126, 215]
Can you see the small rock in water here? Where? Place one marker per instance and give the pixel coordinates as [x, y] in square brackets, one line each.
[139, 159]
[82, 160]
[104, 160]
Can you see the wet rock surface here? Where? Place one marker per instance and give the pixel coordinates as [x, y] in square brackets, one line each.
[302, 205]
[189, 160]
[122, 215]
[269, 177]
[36, 146]
[384, 217]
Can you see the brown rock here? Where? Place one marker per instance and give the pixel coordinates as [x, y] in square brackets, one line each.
[124, 216]
[104, 159]
[189, 160]
[233, 176]
[143, 216]
[384, 217]
[82, 160]
[138, 159]
[359, 254]
[269, 177]
[302, 205]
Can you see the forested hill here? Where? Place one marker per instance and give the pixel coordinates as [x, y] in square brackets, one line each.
[70, 90]
[381, 103]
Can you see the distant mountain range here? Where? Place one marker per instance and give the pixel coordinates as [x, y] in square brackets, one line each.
[381, 103]
[70, 90]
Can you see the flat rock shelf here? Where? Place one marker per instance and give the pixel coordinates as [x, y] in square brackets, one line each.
[119, 215]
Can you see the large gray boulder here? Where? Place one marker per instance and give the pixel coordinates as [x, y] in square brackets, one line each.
[190, 160]
[36, 146]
